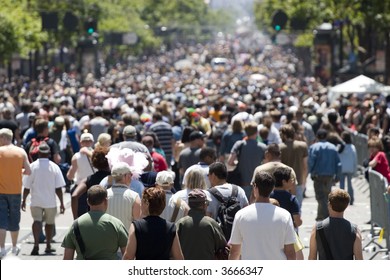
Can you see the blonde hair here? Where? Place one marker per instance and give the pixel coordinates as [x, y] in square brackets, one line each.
[103, 139]
[195, 180]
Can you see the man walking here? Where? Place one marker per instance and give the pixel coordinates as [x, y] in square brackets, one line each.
[44, 183]
[100, 233]
[294, 153]
[325, 168]
[200, 236]
[262, 231]
[249, 153]
[13, 163]
[335, 238]
[123, 203]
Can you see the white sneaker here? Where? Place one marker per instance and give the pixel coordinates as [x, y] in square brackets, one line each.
[15, 250]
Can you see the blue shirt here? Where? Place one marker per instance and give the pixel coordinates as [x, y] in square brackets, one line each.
[324, 160]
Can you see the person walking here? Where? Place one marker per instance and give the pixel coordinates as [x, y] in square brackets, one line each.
[152, 237]
[123, 203]
[325, 168]
[249, 154]
[336, 238]
[200, 236]
[100, 233]
[13, 163]
[262, 231]
[348, 158]
[44, 183]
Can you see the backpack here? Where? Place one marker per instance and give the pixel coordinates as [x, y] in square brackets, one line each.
[227, 209]
[34, 148]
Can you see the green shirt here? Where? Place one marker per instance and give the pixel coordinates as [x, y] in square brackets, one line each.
[200, 236]
[102, 234]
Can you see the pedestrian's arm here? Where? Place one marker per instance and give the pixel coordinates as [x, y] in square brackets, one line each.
[232, 158]
[60, 197]
[26, 165]
[25, 194]
[313, 245]
[80, 189]
[297, 220]
[73, 168]
[137, 208]
[131, 246]
[176, 252]
[68, 254]
[304, 172]
[235, 252]
[57, 158]
[289, 251]
[357, 246]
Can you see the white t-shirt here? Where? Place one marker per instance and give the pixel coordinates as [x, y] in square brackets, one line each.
[226, 191]
[262, 229]
[45, 178]
[170, 207]
[183, 194]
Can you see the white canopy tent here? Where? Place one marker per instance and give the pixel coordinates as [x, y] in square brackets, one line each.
[359, 85]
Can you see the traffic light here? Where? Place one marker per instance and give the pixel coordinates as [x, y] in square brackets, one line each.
[70, 22]
[49, 20]
[90, 26]
[279, 20]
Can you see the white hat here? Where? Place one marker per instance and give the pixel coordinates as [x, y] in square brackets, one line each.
[86, 137]
[120, 168]
[165, 178]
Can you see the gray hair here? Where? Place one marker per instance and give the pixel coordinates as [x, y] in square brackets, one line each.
[6, 134]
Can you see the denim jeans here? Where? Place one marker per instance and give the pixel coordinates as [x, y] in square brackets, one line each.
[10, 211]
[348, 176]
[299, 194]
[322, 188]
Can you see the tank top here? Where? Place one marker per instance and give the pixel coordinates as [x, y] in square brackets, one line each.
[341, 235]
[154, 238]
[84, 167]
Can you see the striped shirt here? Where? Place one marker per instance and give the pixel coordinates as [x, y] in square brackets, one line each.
[120, 203]
[164, 134]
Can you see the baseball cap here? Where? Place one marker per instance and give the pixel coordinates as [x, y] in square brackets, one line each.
[86, 137]
[165, 178]
[129, 131]
[196, 135]
[120, 168]
[44, 148]
[196, 196]
[59, 121]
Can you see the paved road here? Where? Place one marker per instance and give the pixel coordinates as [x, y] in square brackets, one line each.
[358, 213]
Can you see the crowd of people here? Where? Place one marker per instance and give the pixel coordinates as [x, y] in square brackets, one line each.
[143, 149]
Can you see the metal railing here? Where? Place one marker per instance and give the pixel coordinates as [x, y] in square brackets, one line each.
[380, 214]
[361, 144]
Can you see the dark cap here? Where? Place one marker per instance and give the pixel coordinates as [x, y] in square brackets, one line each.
[322, 134]
[148, 179]
[196, 135]
[197, 196]
[44, 148]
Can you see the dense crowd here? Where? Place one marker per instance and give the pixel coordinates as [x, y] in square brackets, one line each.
[151, 140]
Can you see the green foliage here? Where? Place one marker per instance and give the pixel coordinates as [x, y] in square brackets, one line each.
[8, 40]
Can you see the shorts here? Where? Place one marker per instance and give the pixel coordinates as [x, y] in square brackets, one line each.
[10, 211]
[40, 214]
